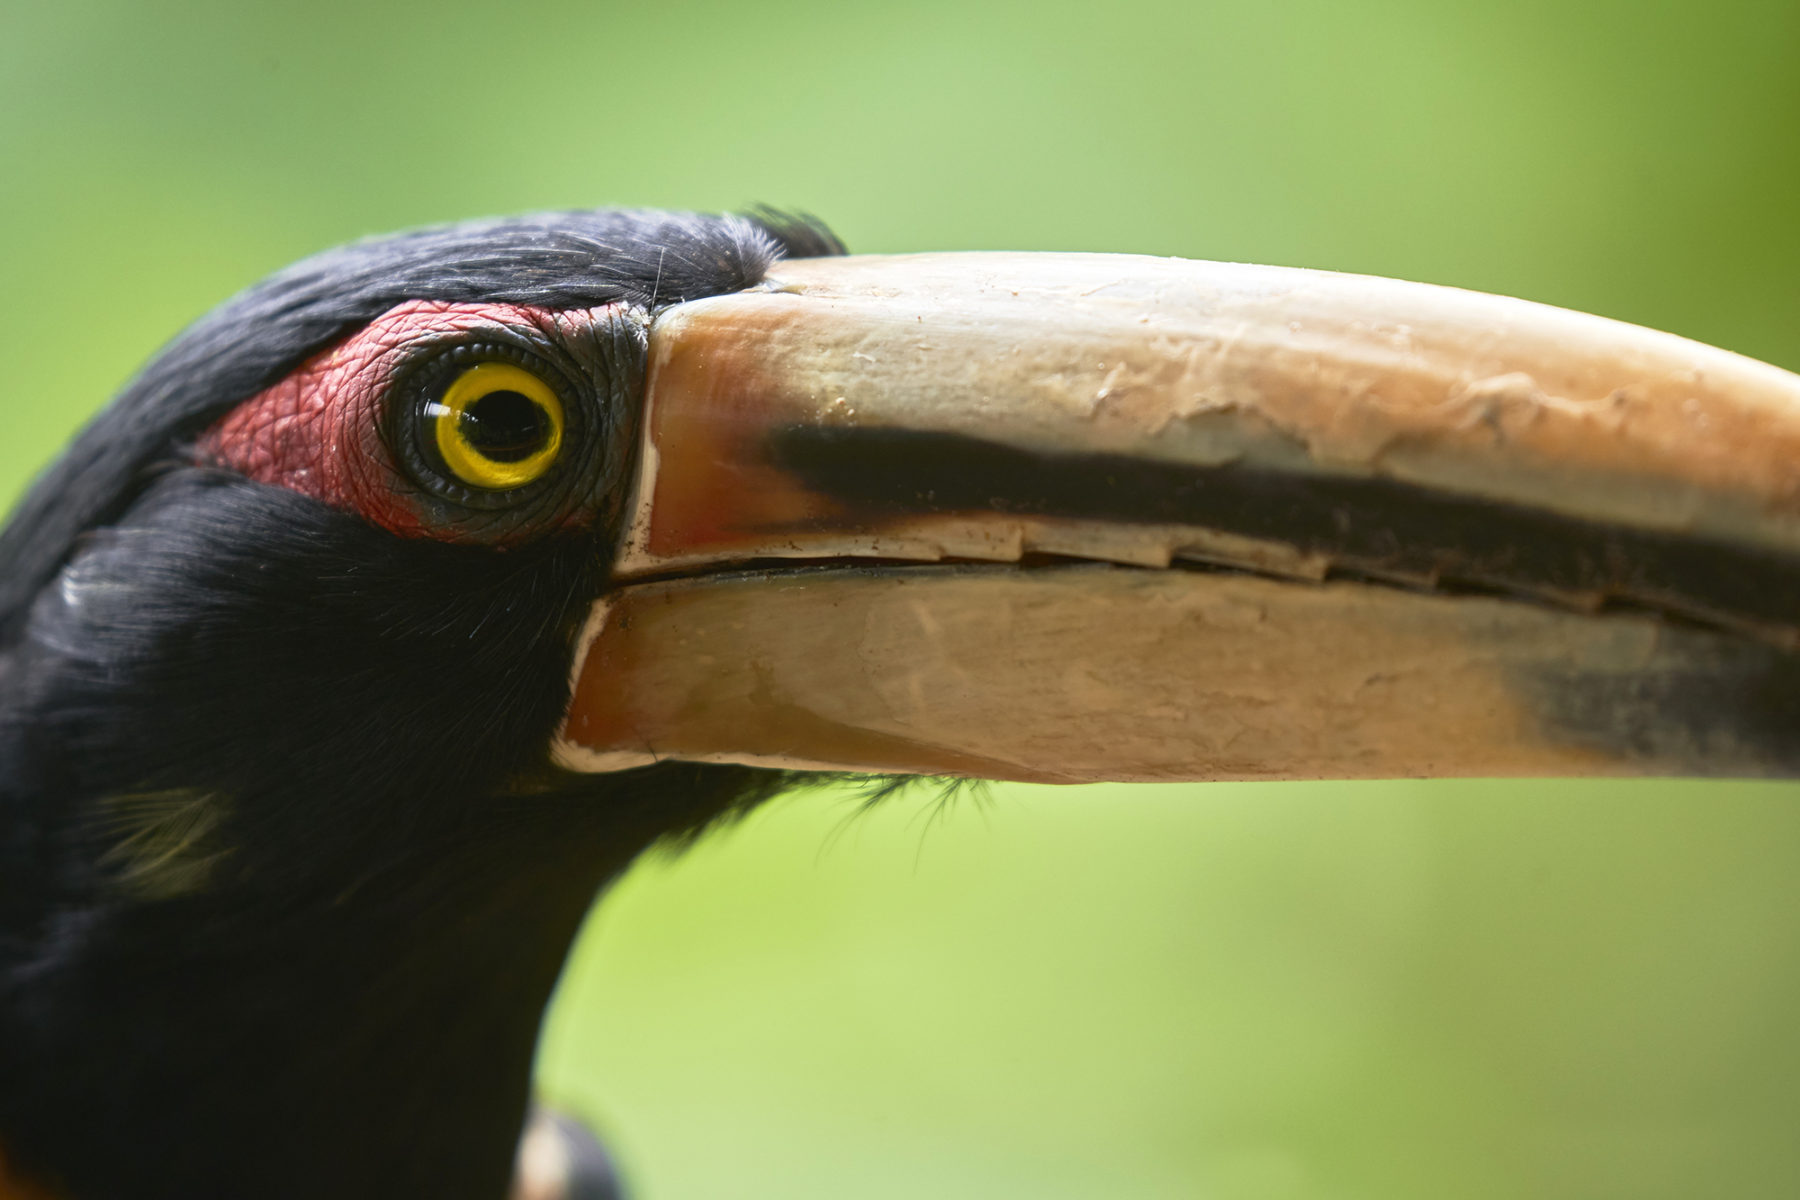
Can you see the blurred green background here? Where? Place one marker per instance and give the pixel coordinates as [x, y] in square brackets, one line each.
[1379, 990]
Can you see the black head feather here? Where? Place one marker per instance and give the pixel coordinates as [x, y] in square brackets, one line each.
[285, 873]
[550, 260]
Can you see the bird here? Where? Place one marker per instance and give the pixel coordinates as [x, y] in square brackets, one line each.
[408, 597]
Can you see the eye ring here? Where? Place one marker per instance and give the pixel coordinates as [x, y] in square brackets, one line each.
[514, 444]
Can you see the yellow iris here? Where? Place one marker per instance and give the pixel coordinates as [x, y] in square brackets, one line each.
[498, 426]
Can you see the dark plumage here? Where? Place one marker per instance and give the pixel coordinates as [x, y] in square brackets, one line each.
[553, 260]
[285, 874]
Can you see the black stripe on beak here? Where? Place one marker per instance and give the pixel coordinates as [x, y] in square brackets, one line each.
[1380, 527]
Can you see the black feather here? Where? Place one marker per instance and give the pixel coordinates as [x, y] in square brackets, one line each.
[552, 260]
[286, 875]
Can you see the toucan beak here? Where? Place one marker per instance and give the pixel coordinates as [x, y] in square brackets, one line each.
[1080, 517]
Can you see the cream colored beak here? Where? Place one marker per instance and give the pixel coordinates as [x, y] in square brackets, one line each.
[1080, 517]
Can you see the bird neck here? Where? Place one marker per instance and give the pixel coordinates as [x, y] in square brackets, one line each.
[361, 1035]
[285, 876]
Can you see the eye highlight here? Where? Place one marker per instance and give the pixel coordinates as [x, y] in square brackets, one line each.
[497, 426]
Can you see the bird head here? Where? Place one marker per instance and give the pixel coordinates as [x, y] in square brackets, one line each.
[407, 597]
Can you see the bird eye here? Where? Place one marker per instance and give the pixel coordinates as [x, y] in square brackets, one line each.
[496, 426]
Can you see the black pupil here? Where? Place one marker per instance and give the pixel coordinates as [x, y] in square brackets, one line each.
[505, 426]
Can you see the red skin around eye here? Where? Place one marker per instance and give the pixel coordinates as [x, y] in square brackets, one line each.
[317, 431]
